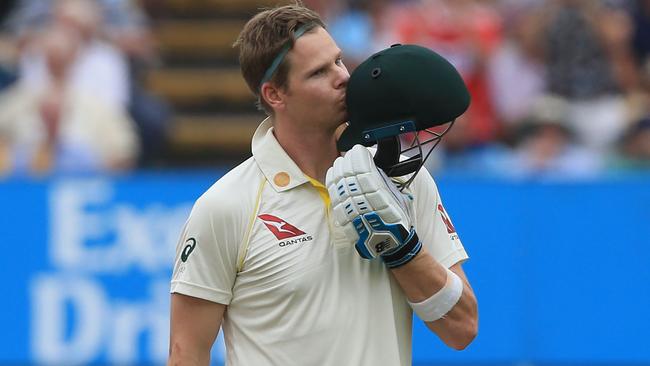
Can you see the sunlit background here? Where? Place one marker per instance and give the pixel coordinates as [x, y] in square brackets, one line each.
[115, 115]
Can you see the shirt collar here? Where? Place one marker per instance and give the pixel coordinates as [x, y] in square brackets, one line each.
[278, 168]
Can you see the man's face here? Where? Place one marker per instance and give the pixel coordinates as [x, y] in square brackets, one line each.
[316, 83]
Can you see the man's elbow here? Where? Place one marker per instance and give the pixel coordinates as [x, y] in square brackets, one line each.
[465, 336]
[176, 354]
[181, 354]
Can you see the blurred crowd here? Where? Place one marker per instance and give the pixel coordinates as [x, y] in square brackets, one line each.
[72, 98]
[560, 88]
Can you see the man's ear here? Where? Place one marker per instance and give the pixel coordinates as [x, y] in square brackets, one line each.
[272, 95]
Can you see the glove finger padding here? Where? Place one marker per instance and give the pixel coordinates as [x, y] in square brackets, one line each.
[356, 175]
[370, 208]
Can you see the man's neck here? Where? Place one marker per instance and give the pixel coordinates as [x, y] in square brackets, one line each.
[313, 152]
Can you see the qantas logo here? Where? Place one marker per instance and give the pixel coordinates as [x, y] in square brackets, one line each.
[280, 228]
[445, 218]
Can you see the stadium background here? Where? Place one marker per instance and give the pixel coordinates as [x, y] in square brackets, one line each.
[560, 256]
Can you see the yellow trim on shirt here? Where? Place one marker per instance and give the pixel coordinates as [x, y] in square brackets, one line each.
[244, 249]
[322, 191]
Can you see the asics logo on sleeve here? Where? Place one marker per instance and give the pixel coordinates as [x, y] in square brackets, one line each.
[280, 228]
[191, 243]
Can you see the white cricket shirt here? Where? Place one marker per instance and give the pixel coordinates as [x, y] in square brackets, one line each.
[261, 241]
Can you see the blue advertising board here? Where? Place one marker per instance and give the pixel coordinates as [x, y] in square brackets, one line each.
[561, 270]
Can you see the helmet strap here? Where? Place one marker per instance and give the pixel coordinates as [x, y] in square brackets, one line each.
[387, 158]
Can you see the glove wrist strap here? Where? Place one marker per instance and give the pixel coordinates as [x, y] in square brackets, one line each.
[405, 253]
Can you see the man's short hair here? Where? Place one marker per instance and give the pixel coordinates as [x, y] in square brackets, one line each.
[264, 37]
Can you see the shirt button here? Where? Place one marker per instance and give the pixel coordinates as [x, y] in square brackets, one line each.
[281, 179]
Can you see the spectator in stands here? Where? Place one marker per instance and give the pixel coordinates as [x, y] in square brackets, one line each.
[516, 71]
[127, 26]
[100, 68]
[466, 32]
[118, 46]
[6, 7]
[547, 146]
[586, 48]
[56, 126]
[458, 155]
[7, 54]
[634, 148]
[641, 46]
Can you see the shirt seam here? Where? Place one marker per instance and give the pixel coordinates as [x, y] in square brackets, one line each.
[245, 243]
[216, 295]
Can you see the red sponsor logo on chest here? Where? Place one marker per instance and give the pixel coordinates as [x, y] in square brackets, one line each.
[280, 228]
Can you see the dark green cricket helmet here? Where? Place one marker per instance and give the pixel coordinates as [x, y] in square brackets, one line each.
[404, 88]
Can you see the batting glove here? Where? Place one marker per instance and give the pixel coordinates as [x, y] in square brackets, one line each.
[372, 211]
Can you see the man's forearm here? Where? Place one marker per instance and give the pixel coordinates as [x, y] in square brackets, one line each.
[423, 277]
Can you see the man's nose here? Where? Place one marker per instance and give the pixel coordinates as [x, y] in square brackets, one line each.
[342, 77]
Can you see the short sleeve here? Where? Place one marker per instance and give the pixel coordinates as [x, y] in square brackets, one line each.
[207, 253]
[433, 224]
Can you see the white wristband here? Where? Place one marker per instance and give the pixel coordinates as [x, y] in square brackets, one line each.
[442, 301]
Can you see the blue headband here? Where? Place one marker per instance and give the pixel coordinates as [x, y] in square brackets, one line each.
[281, 55]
